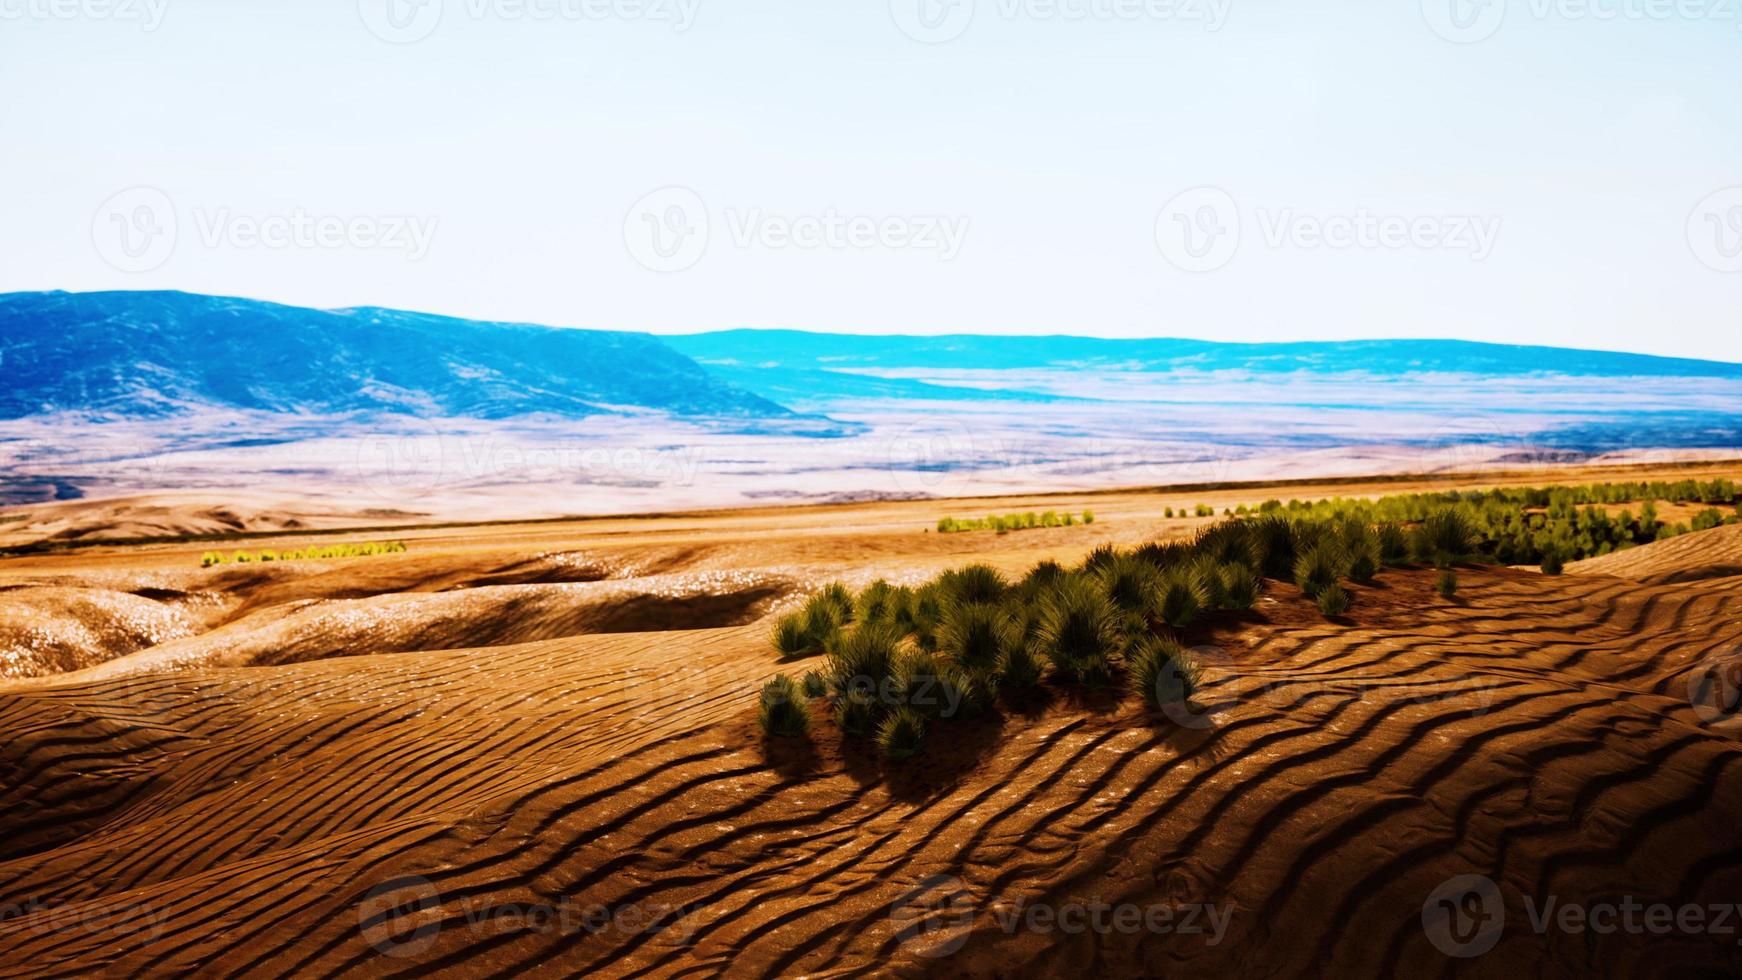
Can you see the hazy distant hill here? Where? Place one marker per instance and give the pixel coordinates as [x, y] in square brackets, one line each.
[768, 350]
[148, 354]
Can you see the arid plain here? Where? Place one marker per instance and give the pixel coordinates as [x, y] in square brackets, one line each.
[533, 748]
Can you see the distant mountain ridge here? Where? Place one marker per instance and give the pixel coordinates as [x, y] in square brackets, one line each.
[154, 354]
[804, 350]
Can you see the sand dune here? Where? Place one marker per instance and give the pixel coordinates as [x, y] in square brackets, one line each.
[183, 513]
[603, 804]
[54, 630]
[1716, 553]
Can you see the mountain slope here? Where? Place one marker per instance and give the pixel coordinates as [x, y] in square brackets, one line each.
[153, 354]
[794, 348]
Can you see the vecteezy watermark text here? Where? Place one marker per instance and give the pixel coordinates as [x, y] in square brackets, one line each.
[398, 920]
[137, 230]
[1465, 916]
[410, 21]
[938, 21]
[148, 14]
[670, 230]
[1202, 229]
[1472, 21]
[936, 917]
[299, 229]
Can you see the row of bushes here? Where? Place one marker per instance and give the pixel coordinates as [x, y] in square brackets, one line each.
[1202, 510]
[211, 558]
[902, 659]
[1005, 523]
[1539, 525]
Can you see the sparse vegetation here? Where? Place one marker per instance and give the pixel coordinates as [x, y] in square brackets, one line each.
[901, 735]
[1005, 523]
[782, 712]
[902, 659]
[1080, 631]
[1447, 584]
[366, 550]
[1162, 672]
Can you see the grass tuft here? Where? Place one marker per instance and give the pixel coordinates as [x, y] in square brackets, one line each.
[780, 708]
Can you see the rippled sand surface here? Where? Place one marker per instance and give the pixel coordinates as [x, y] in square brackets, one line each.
[530, 750]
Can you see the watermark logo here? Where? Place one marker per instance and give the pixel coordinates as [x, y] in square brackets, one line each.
[148, 14]
[135, 230]
[1464, 917]
[410, 234]
[1473, 21]
[935, 919]
[668, 230]
[932, 457]
[932, 21]
[404, 463]
[1464, 21]
[138, 229]
[1173, 684]
[401, 21]
[1715, 230]
[1199, 230]
[410, 21]
[392, 917]
[1715, 688]
[938, 21]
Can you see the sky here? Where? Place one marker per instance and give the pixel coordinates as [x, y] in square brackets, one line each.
[1562, 172]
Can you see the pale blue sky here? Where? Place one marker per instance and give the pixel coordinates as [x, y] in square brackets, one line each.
[1588, 146]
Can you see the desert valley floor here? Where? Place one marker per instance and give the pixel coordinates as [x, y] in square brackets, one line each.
[531, 749]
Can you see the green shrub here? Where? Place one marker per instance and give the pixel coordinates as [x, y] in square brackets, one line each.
[857, 714]
[1552, 564]
[921, 679]
[1088, 517]
[1020, 669]
[1362, 549]
[1447, 584]
[1039, 578]
[792, 635]
[1320, 568]
[840, 598]
[781, 710]
[1393, 544]
[1162, 672]
[1445, 536]
[1079, 631]
[823, 612]
[1274, 544]
[1100, 558]
[1228, 543]
[1130, 585]
[865, 658]
[901, 735]
[1333, 600]
[877, 602]
[976, 635]
[974, 583]
[974, 691]
[1211, 584]
[1180, 602]
[815, 685]
[1242, 585]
